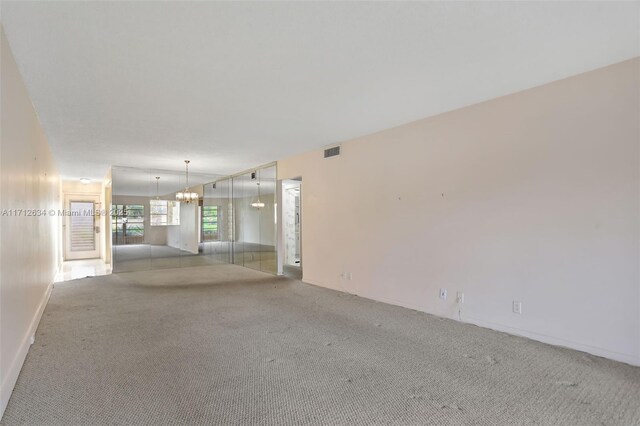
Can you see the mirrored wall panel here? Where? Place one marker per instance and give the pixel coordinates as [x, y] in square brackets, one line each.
[221, 221]
[217, 221]
[254, 200]
[150, 229]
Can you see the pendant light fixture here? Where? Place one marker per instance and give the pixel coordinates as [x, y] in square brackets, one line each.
[257, 204]
[157, 182]
[187, 196]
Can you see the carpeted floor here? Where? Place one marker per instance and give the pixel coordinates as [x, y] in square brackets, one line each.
[228, 345]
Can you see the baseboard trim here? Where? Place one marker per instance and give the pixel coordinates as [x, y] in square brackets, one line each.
[9, 381]
[555, 341]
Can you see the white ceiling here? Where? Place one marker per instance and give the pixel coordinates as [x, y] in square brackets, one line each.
[232, 85]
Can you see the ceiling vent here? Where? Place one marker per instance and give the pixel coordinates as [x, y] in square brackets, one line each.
[332, 152]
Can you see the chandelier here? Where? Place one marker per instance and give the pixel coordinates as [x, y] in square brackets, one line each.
[257, 204]
[187, 196]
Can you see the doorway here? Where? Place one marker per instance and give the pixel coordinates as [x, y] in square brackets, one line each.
[82, 227]
[292, 227]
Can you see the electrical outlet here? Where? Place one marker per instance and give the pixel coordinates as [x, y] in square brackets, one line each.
[517, 307]
[460, 297]
[443, 293]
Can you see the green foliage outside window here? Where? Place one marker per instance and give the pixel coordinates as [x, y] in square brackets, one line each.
[210, 222]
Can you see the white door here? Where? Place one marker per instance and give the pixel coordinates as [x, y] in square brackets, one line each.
[82, 230]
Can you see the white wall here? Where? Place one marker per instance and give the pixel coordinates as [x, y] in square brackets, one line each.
[531, 197]
[185, 236]
[29, 245]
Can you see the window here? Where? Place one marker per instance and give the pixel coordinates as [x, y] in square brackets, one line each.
[163, 213]
[158, 212]
[134, 215]
[127, 223]
[210, 223]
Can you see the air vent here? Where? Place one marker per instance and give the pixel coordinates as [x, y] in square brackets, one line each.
[332, 152]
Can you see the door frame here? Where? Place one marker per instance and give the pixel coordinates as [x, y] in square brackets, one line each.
[97, 202]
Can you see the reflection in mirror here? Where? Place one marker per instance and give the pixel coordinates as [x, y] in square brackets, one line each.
[150, 229]
[164, 212]
[254, 212]
[217, 221]
[233, 221]
[267, 220]
[129, 221]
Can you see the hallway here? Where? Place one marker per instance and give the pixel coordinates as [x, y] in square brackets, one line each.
[75, 269]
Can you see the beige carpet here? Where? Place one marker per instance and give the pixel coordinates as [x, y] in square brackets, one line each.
[227, 345]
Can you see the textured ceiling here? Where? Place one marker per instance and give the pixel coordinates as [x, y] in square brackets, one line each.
[233, 85]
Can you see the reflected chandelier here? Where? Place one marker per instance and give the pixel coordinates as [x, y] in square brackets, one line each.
[258, 204]
[187, 196]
